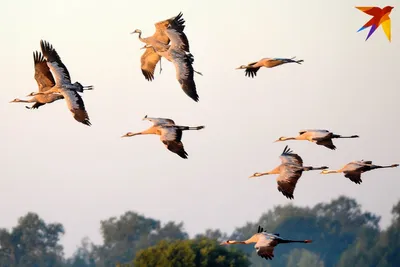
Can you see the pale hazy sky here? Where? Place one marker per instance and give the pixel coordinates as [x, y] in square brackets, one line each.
[78, 175]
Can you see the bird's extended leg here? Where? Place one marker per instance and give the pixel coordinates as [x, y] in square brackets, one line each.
[198, 72]
[184, 128]
[160, 66]
[88, 87]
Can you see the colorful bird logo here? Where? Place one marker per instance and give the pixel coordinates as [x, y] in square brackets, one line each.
[380, 17]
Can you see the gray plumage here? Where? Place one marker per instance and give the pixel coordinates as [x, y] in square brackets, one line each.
[265, 243]
[63, 84]
[290, 171]
[354, 169]
[318, 136]
[170, 134]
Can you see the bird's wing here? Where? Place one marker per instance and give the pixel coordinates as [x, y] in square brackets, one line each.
[251, 72]
[386, 26]
[372, 11]
[287, 179]
[161, 27]
[184, 73]
[160, 121]
[265, 247]
[354, 176]
[55, 64]
[314, 131]
[149, 61]
[288, 156]
[177, 37]
[43, 76]
[76, 106]
[171, 137]
[326, 143]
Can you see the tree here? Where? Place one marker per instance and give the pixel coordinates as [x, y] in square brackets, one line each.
[125, 236]
[190, 253]
[31, 243]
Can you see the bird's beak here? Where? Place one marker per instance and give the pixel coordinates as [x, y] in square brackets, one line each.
[238, 68]
[252, 176]
[144, 47]
[125, 135]
[223, 243]
[12, 101]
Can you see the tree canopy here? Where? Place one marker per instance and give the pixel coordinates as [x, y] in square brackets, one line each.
[343, 235]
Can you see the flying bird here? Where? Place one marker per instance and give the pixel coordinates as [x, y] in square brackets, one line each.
[252, 68]
[290, 171]
[353, 170]
[170, 134]
[320, 137]
[45, 81]
[150, 58]
[380, 17]
[265, 243]
[181, 58]
[63, 84]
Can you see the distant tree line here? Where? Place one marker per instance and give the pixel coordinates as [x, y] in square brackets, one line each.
[343, 236]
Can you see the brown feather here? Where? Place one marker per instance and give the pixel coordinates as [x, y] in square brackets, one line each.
[149, 61]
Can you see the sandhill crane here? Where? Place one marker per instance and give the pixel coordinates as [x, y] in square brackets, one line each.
[320, 137]
[170, 134]
[353, 170]
[265, 243]
[290, 171]
[252, 68]
[63, 84]
[182, 59]
[150, 58]
[45, 81]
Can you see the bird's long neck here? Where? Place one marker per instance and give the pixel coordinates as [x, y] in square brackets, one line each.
[277, 170]
[310, 168]
[151, 130]
[274, 171]
[331, 171]
[33, 99]
[290, 138]
[252, 239]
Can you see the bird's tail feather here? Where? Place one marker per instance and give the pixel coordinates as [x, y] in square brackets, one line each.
[341, 136]
[310, 168]
[184, 128]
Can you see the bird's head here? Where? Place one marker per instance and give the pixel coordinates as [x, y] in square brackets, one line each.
[282, 138]
[129, 134]
[256, 174]
[227, 242]
[395, 165]
[31, 94]
[241, 67]
[144, 118]
[387, 9]
[136, 31]
[15, 100]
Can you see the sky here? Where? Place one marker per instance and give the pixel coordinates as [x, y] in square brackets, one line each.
[78, 175]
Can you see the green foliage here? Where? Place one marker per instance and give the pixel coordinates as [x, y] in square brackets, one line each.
[31, 243]
[343, 235]
[190, 253]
